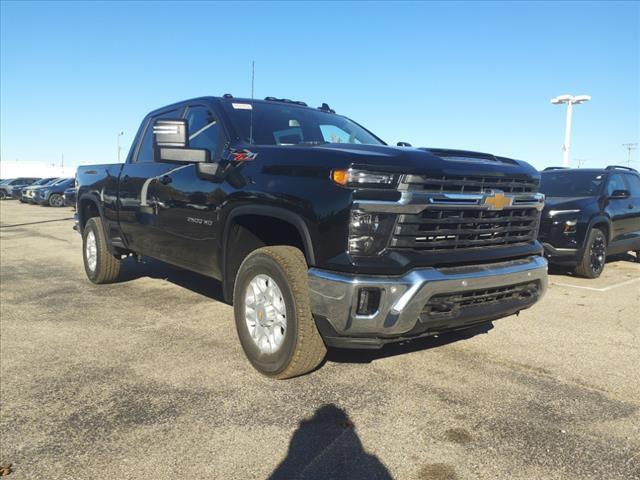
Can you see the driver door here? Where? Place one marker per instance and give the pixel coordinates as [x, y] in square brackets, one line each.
[187, 206]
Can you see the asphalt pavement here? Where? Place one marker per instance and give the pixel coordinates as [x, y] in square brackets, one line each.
[145, 379]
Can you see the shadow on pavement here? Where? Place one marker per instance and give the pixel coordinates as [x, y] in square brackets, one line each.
[425, 343]
[149, 267]
[327, 446]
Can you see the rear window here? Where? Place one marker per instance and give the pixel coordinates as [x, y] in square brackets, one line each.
[634, 184]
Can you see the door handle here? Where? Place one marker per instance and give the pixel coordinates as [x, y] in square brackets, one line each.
[631, 206]
[165, 180]
[125, 178]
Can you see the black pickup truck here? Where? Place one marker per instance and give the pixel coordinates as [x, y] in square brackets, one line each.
[321, 234]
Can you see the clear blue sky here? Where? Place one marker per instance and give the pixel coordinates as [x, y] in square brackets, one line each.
[461, 75]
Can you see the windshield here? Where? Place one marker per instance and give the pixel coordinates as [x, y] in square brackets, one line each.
[286, 124]
[571, 183]
[51, 181]
[42, 181]
[60, 181]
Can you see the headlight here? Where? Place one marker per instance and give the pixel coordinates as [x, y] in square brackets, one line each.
[361, 178]
[553, 213]
[369, 232]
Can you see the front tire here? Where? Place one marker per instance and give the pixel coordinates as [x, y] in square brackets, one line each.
[99, 264]
[273, 318]
[56, 200]
[594, 255]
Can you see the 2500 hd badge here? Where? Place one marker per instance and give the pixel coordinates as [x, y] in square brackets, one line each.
[200, 221]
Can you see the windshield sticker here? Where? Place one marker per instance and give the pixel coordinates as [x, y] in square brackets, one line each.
[242, 106]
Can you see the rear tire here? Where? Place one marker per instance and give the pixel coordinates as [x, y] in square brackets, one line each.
[99, 264]
[594, 255]
[273, 318]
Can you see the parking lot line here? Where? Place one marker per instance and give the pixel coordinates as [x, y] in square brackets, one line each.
[610, 287]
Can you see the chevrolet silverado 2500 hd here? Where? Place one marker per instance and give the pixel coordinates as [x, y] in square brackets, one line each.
[321, 234]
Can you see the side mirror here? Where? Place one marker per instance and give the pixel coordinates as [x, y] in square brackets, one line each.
[403, 144]
[170, 133]
[620, 194]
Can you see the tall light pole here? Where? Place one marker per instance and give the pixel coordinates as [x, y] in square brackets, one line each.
[629, 147]
[118, 142]
[570, 100]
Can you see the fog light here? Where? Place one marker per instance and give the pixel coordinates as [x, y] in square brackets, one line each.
[368, 301]
[570, 226]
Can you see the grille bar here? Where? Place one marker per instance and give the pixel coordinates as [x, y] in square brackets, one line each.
[468, 184]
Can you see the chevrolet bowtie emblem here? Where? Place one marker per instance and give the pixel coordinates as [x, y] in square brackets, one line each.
[496, 200]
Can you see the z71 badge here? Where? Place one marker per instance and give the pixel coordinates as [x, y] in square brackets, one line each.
[243, 155]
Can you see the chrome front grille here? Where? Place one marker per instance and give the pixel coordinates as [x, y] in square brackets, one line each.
[452, 213]
[468, 184]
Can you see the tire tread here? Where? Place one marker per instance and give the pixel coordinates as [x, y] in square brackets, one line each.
[583, 269]
[108, 266]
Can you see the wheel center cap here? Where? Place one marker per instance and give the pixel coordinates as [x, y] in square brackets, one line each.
[262, 315]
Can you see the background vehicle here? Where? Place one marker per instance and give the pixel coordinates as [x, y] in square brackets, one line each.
[70, 197]
[28, 193]
[51, 195]
[589, 214]
[6, 188]
[321, 234]
[18, 192]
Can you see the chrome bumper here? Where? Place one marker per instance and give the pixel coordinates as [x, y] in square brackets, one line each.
[334, 296]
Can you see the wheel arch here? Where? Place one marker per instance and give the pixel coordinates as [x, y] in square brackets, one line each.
[602, 223]
[88, 206]
[229, 263]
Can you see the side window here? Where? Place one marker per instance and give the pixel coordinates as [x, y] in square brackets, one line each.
[616, 182]
[634, 184]
[203, 128]
[145, 153]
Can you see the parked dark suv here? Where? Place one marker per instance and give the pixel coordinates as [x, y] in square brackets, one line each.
[589, 214]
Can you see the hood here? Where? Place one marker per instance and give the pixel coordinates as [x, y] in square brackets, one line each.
[435, 161]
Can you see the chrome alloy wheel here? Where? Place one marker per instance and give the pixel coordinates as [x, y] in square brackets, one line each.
[91, 251]
[265, 313]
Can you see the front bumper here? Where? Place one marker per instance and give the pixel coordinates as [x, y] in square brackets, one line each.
[401, 312]
[561, 256]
